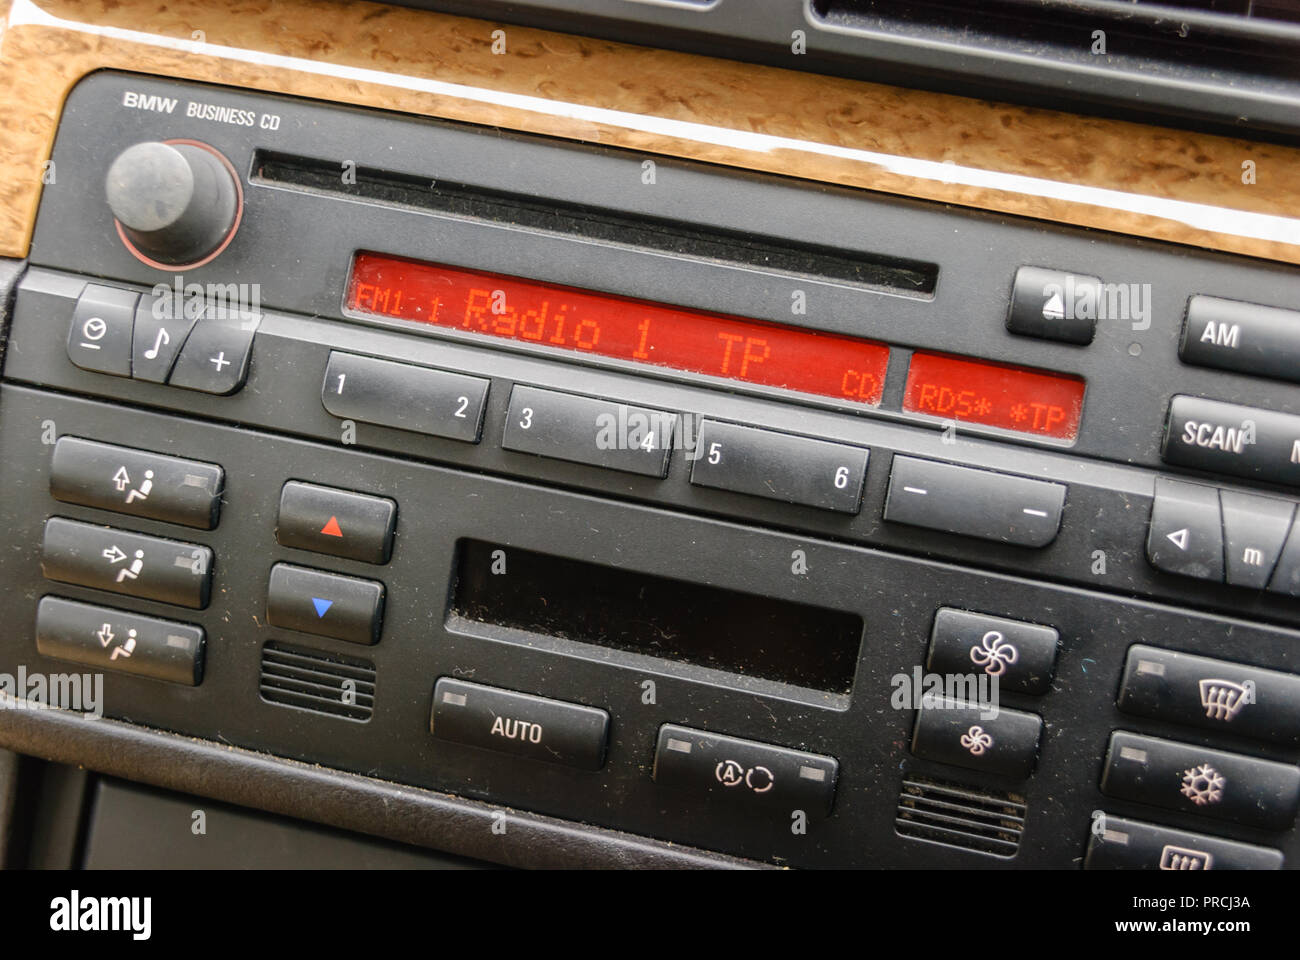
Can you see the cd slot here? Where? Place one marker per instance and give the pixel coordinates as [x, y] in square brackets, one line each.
[877, 272]
[757, 636]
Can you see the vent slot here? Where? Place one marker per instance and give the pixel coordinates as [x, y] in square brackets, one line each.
[317, 681]
[1235, 35]
[901, 277]
[957, 816]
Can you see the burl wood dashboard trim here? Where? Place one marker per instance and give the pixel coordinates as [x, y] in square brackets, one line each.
[1214, 192]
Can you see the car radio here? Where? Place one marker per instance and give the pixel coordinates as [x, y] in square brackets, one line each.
[806, 524]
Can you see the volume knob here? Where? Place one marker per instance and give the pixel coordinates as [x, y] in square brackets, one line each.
[176, 204]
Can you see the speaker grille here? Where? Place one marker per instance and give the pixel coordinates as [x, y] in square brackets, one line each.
[961, 817]
[318, 681]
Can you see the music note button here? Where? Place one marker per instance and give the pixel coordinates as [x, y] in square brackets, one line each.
[158, 338]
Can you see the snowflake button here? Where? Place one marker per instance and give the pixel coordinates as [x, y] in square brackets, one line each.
[1203, 785]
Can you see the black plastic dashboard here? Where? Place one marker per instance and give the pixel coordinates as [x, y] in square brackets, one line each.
[784, 625]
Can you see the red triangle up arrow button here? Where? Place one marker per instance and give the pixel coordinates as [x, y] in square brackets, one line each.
[331, 529]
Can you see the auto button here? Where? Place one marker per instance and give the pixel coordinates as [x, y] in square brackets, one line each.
[520, 724]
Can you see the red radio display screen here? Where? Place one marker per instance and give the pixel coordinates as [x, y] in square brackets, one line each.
[527, 311]
[1014, 398]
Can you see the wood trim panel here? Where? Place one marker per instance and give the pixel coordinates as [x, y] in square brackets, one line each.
[1144, 181]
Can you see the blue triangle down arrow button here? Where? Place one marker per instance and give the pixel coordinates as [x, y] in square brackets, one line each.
[321, 605]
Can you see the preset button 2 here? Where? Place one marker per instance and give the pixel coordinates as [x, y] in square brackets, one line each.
[601, 433]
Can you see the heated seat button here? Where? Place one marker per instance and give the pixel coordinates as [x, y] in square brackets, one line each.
[777, 466]
[404, 396]
[976, 503]
[1021, 656]
[136, 482]
[1245, 337]
[110, 639]
[1254, 529]
[1185, 535]
[995, 740]
[337, 522]
[1043, 304]
[133, 564]
[601, 433]
[325, 604]
[1214, 694]
[519, 724]
[758, 778]
[1227, 438]
[1193, 779]
[100, 337]
[215, 356]
[1121, 844]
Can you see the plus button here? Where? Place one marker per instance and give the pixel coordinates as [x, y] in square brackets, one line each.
[219, 361]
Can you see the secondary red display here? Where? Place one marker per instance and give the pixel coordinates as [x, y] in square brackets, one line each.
[608, 326]
[1027, 401]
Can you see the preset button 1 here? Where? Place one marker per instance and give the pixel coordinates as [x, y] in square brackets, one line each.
[404, 396]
